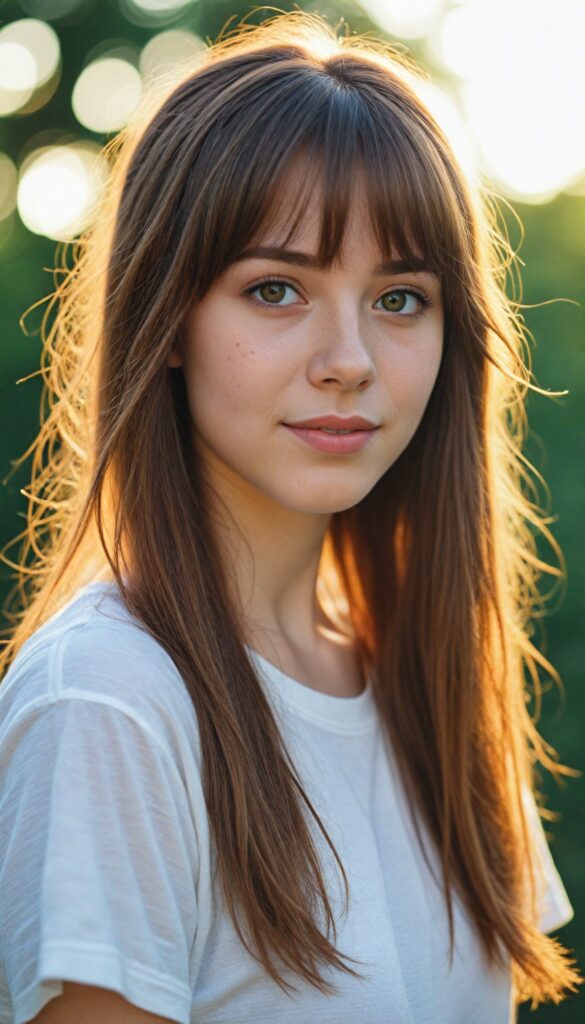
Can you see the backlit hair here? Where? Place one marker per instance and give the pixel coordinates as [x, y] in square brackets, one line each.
[434, 572]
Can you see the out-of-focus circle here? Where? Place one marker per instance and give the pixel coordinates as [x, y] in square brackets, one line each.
[59, 187]
[113, 46]
[8, 184]
[153, 13]
[40, 40]
[18, 68]
[160, 6]
[453, 44]
[18, 75]
[523, 88]
[449, 118]
[30, 61]
[47, 138]
[166, 50]
[406, 19]
[106, 94]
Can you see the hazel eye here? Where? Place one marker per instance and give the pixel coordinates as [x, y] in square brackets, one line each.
[271, 291]
[396, 300]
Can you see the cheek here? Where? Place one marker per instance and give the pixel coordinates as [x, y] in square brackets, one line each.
[226, 376]
[410, 379]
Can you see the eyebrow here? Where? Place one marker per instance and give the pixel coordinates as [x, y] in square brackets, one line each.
[303, 259]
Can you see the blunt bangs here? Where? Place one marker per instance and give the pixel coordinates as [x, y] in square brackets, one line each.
[341, 129]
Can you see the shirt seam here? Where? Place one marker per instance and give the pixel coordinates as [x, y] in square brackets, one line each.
[281, 697]
[56, 692]
[57, 633]
[325, 723]
[46, 640]
[99, 698]
[140, 970]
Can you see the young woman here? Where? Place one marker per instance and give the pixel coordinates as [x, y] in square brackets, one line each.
[265, 747]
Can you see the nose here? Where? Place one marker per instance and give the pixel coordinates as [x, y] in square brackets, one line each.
[342, 359]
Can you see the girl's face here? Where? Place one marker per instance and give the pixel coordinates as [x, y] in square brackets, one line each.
[348, 341]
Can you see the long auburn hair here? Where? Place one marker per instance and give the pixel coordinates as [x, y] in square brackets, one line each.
[434, 573]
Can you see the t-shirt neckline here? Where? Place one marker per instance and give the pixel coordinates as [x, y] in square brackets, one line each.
[339, 714]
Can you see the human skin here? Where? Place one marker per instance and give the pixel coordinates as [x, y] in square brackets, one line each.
[325, 345]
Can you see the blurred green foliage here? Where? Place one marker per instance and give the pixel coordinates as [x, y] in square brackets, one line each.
[553, 252]
[554, 257]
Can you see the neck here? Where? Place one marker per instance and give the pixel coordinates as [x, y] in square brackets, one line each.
[273, 554]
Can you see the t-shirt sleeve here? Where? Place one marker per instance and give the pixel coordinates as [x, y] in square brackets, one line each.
[554, 907]
[98, 861]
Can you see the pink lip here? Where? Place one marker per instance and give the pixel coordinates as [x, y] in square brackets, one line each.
[333, 444]
[336, 422]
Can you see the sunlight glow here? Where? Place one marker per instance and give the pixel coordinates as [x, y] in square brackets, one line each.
[448, 116]
[407, 19]
[18, 75]
[523, 89]
[153, 13]
[106, 94]
[160, 6]
[166, 50]
[58, 188]
[30, 57]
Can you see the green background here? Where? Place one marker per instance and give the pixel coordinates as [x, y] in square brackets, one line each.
[553, 252]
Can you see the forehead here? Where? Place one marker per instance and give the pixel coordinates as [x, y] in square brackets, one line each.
[301, 194]
[303, 216]
[292, 227]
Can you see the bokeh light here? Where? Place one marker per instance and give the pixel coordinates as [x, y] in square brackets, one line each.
[168, 49]
[509, 88]
[449, 117]
[18, 74]
[523, 89]
[59, 187]
[156, 7]
[154, 13]
[30, 58]
[106, 94]
[407, 19]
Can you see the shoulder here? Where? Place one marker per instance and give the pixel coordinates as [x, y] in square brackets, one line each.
[94, 650]
[106, 875]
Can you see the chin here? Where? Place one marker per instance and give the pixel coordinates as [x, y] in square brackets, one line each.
[321, 503]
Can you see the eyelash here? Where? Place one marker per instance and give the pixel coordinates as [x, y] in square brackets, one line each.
[423, 298]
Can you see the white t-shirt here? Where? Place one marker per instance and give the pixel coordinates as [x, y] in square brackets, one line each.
[106, 859]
